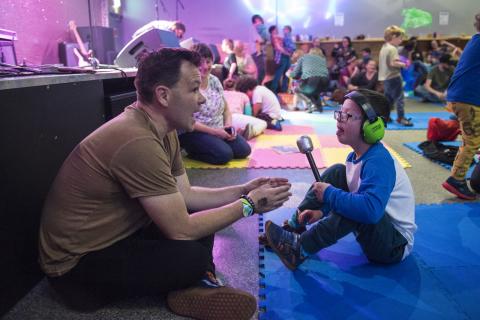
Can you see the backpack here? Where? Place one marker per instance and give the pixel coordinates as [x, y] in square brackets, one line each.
[438, 151]
[442, 130]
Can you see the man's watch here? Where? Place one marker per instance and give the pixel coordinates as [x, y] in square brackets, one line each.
[248, 205]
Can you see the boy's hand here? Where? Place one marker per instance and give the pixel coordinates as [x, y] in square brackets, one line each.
[309, 216]
[319, 188]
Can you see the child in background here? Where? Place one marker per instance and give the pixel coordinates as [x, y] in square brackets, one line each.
[389, 72]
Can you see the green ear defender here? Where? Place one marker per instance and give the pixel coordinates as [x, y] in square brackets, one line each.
[373, 128]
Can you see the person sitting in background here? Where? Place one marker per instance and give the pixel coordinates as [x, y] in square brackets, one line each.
[174, 26]
[366, 56]
[435, 87]
[240, 108]
[230, 62]
[265, 104]
[343, 53]
[213, 140]
[347, 72]
[312, 70]
[366, 79]
[245, 63]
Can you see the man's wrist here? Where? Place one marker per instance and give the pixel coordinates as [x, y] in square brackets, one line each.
[248, 205]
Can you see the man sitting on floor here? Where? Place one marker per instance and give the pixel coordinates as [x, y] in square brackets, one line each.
[370, 195]
[435, 88]
[121, 218]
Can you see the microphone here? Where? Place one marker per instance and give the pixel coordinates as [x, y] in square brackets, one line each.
[305, 145]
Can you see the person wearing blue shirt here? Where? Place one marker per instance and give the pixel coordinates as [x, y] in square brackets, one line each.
[463, 97]
[371, 195]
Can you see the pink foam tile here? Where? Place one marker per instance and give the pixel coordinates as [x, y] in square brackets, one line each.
[291, 129]
[329, 141]
[269, 158]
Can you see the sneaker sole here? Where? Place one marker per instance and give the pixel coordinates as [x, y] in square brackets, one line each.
[274, 248]
[212, 303]
[451, 189]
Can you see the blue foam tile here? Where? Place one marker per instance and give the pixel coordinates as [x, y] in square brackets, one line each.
[414, 147]
[462, 285]
[325, 290]
[448, 234]
[339, 282]
[419, 119]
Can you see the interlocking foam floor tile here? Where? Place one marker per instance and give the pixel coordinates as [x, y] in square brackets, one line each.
[448, 234]
[235, 163]
[264, 141]
[419, 119]
[339, 283]
[414, 146]
[269, 158]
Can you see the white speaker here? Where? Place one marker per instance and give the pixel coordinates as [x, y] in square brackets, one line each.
[149, 41]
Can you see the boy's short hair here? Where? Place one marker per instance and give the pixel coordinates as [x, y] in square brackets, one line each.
[393, 31]
[378, 101]
[255, 17]
[271, 28]
[246, 83]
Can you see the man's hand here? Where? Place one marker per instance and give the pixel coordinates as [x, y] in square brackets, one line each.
[309, 216]
[268, 197]
[255, 183]
[319, 189]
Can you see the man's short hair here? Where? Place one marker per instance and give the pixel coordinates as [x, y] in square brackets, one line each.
[378, 101]
[229, 84]
[271, 28]
[179, 26]
[445, 58]
[393, 31]
[246, 83]
[203, 50]
[161, 67]
[257, 16]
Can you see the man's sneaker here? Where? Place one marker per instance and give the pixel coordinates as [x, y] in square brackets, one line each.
[220, 303]
[405, 122]
[285, 244]
[459, 188]
[262, 239]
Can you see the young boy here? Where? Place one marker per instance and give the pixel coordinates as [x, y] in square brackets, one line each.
[389, 72]
[370, 195]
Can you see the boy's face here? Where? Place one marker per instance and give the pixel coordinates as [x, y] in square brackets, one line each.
[397, 40]
[349, 124]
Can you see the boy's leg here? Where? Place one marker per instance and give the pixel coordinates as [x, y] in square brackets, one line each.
[381, 242]
[335, 175]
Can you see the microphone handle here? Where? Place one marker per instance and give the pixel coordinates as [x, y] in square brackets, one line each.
[311, 161]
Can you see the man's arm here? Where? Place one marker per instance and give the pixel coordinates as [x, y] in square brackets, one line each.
[201, 198]
[428, 86]
[169, 212]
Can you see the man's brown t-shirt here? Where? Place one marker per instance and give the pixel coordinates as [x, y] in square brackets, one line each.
[93, 201]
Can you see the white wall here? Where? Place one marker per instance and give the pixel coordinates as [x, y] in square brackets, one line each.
[212, 20]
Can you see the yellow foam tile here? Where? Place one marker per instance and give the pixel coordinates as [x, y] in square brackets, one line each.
[265, 142]
[332, 156]
[235, 163]
[405, 164]
[339, 155]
